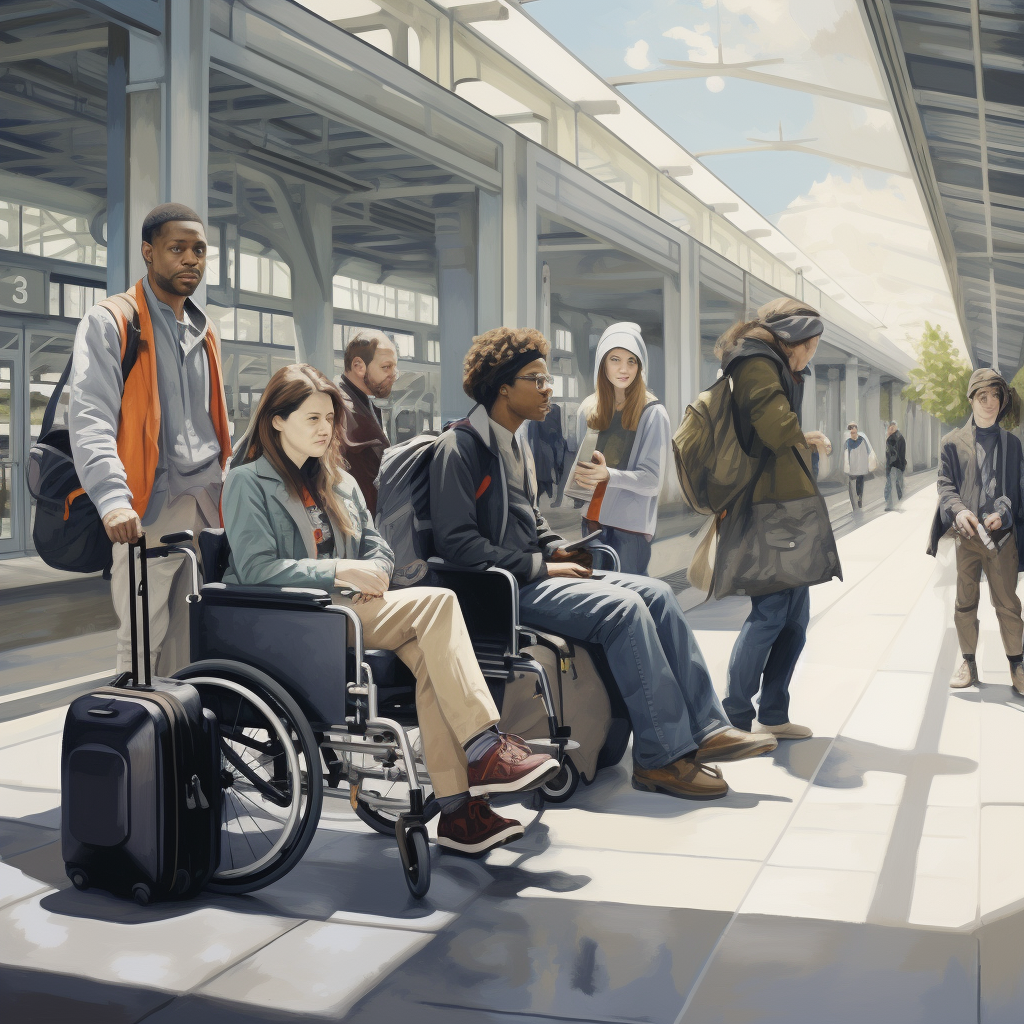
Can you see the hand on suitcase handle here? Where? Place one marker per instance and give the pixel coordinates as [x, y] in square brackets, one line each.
[123, 525]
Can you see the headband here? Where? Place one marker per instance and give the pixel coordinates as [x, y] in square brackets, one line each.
[792, 329]
[486, 391]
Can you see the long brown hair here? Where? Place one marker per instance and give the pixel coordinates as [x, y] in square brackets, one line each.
[285, 392]
[637, 397]
[757, 328]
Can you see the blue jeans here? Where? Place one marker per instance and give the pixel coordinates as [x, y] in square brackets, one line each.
[769, 645]
[634, 549]
[652, 653]
[893, 479]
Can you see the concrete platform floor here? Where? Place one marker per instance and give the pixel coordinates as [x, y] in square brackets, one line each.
[868, 874]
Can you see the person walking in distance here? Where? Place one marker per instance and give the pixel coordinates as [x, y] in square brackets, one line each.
[858, 457]
[895, 465]
[149, 424]
[981, 473]
[371, 369]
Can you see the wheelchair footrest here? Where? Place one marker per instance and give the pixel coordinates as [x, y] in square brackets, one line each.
[549, 744]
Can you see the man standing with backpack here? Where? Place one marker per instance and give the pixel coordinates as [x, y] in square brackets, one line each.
[148, 420]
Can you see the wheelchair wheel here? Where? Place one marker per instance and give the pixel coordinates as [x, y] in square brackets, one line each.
[561, 787]
[270, 800]
[415, 853]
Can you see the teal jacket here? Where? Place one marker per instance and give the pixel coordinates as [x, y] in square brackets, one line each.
[271, 536]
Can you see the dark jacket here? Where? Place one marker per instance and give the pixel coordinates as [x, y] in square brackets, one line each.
[469, 501]
[366, 441]
[959, 484]
[769, 400]
[895, 452]
[548, 445]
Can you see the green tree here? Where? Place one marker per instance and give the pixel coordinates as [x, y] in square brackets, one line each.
[938, 384]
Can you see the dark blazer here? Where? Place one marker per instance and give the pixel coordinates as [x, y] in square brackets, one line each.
[960, 488]
[366, 441]
[469, 500]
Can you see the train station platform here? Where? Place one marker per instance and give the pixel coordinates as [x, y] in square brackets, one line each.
[869, 873]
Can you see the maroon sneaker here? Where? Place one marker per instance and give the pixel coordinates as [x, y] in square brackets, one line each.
[474, 828]
[509, 766]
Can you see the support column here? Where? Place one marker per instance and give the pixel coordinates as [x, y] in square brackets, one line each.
[852, 389]
[455, 238]
[187, 109]
[808, 418]
[488, 261]
[313, 285]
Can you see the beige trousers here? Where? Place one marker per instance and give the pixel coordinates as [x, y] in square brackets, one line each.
[1001, 570]
[425, 628]
[170, 581]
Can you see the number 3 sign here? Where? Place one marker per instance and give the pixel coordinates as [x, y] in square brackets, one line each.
[21, 290]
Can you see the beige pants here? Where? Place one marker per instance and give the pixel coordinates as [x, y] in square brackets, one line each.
[1001, 570]
[425, 628]
[170, 581]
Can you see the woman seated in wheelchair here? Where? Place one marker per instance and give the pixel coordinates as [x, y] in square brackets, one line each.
[294, 517]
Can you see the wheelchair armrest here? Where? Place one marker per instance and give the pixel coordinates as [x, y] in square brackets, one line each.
[489, 599]
[556, 644]
[265, 596]
[605, 557]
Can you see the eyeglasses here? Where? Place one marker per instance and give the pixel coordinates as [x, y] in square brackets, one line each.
[540, 380]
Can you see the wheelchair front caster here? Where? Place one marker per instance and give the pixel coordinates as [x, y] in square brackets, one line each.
[560, 787]
[415, 853]
[79, 879]
[142, 894]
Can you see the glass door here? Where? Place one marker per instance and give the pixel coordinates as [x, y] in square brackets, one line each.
[11, 462]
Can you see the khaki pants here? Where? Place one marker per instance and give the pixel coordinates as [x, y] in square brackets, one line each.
[1001, 569]
[425, 628]
[169, 583]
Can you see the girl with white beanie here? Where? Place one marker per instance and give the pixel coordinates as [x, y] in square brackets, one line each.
[628, 430]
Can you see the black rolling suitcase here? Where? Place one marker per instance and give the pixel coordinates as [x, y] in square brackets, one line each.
[140, 781]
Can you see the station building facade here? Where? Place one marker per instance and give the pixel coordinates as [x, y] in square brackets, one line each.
[364, 164]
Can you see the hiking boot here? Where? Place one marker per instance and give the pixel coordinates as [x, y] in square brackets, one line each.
[734, 745]
[474, 828]
[1017, 677]
[965, 675]
[684, 778]
[508, 765]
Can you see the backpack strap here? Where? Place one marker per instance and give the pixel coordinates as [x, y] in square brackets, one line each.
[125, 312]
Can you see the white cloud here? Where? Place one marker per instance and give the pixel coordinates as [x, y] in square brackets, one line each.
[638, 55]
[701, 46]
[875, 242]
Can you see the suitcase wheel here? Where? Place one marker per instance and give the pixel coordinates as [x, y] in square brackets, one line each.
[142, 894]
[79, 879]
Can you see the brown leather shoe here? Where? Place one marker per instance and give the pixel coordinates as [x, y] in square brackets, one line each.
[474, 829]
[683, 778]
[734, 745]
[965, 675]
[509, 766]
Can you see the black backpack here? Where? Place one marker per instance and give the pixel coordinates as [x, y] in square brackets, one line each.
[68, 532]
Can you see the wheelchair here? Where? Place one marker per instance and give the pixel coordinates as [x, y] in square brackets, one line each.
[302, 706]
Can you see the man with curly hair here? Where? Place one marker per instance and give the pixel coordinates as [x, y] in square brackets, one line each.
[483, 499]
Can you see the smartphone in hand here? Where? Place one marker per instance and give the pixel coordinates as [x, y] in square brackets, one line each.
[583, 541]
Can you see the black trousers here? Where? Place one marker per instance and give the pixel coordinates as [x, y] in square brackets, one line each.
[856, 484]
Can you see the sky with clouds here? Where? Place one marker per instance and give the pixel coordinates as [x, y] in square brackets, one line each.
[850, 204]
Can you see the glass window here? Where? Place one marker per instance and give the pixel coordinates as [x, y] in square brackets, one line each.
[406, 345]
[10, 226]
[384, 300]
[433, 350]
[60, 236]
[247, 325]
[563, 339]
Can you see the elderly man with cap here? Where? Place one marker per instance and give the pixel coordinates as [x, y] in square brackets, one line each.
[483, 502]
[981, 472]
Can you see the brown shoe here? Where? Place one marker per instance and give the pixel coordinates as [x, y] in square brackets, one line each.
[684, 778]
[474, 829]
[1017, 677]
[965, 675]
[509, 766]
[734, 745]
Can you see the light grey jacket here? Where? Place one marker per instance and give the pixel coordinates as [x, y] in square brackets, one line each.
[271, 536]
[631, 497]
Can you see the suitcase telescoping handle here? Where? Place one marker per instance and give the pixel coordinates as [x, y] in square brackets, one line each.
[142, 589]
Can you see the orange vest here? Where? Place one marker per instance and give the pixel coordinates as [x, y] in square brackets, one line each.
[138, 431]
